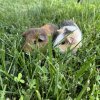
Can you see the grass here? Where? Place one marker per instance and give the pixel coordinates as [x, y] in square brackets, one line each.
[41, 76]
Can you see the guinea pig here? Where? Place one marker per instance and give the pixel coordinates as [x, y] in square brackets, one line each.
[38, 36]
[69, 37]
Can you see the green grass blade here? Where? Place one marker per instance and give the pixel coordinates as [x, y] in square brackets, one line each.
[86, 66]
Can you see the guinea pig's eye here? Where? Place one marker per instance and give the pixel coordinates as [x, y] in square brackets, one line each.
[34, 41]
[63, 42]
[39, 40]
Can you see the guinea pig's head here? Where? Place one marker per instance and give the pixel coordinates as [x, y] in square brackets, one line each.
[62, 43]
[67, 37]
[38, 36]
[34, 37]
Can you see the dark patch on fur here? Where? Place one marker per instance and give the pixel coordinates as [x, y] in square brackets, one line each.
[67, 31]
[67, 23]
[55, 36]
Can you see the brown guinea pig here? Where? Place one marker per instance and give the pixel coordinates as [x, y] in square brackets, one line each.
[38, 36]
[69, 37]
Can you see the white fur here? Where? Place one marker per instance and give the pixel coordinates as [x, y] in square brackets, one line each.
[71, 28]
[77, 35]
[59, 38]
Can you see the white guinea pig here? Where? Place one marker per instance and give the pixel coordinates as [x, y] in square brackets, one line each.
[69, 36]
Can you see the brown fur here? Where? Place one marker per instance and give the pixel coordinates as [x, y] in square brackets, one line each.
[34, 34]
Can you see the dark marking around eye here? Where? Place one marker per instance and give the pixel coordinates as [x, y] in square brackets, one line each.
[35, 42]
[63, 42]
[67, 31]
[67, 23]
[39, 40]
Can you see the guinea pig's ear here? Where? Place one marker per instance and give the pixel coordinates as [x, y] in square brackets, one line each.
[60, 31]
[42, 37]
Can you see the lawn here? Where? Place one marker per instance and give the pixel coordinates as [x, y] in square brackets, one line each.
[41, 75]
